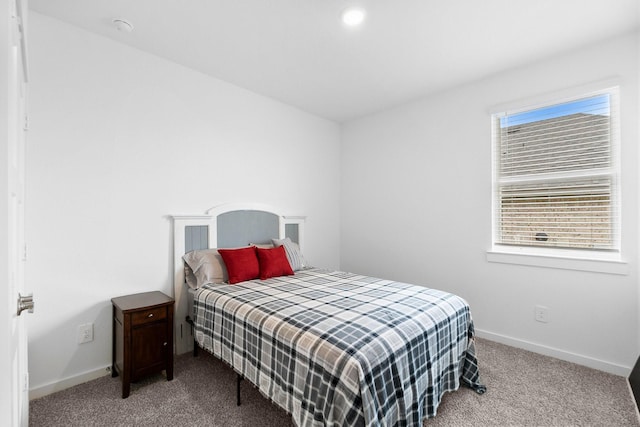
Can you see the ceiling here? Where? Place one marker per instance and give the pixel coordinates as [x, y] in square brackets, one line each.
[298, 51]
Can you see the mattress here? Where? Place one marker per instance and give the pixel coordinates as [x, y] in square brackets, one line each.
[336, 348]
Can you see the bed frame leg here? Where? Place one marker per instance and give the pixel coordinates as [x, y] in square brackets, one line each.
[195, 343]
[238, 379]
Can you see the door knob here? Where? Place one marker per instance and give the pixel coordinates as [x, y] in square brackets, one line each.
[25, 302]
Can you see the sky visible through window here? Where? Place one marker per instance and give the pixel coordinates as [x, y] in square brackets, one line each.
[594, 105]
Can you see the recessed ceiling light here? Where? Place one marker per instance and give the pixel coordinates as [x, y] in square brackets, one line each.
[122, 25]
[353, 16]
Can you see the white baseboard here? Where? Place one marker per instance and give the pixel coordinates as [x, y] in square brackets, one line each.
[52, 387]
[579, 359]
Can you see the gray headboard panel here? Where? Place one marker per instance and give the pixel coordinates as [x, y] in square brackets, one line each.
[196, 237]
[239, 228]
[292, 231]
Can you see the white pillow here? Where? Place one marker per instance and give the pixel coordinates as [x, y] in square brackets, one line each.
[206, 266]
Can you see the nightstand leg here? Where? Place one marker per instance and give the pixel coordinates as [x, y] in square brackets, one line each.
[170, 369]
[126, 386]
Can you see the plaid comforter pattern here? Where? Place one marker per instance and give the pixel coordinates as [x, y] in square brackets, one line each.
[335, 348]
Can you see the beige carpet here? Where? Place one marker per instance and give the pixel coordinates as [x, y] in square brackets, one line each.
[524, 389]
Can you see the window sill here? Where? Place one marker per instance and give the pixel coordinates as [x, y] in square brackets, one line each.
[608, 266]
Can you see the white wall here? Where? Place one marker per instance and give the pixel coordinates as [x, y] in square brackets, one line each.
[120, 139]
[416, 207]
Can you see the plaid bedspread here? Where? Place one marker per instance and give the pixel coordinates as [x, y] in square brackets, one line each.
[335, 348]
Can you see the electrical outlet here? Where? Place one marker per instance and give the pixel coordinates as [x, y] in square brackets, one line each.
[85, 333]
[541, 314]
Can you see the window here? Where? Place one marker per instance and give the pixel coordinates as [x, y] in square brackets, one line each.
[556, 175]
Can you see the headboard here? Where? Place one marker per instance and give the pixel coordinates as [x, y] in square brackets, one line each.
[224, 226]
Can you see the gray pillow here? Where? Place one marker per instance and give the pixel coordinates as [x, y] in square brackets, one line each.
[294, 255]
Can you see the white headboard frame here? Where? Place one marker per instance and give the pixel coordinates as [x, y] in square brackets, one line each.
[183, 340]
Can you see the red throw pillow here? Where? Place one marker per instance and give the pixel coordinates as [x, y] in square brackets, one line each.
[273, 263]
[242, 264]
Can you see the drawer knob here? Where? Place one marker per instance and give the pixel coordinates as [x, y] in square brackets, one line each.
[164, 344]
[150, 315]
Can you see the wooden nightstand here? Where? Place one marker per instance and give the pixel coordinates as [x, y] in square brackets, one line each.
[142, 337]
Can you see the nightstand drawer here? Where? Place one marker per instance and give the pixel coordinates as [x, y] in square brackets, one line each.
[146, 316]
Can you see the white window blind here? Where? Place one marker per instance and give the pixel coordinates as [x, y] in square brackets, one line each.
[556, 175]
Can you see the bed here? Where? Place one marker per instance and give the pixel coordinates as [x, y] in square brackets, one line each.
[329, 347]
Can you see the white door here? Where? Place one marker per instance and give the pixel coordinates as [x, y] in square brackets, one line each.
[14, 393]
